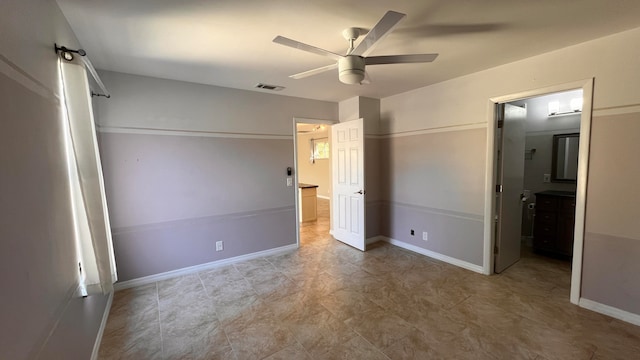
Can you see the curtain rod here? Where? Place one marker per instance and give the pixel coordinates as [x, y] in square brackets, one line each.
[67, 54]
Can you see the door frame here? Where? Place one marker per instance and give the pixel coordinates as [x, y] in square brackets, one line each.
[581, 184]
[296, 121]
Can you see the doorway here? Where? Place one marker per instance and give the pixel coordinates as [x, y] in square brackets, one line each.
[312, 143]
[554, 109]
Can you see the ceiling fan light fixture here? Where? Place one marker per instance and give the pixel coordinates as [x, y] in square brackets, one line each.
[351, 69]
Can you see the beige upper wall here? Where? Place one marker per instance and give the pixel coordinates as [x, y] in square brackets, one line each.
[29, 30]
[151, 103]
[349, 109]
[361, 107]
[612, 60]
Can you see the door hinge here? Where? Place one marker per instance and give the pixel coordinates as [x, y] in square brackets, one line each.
[496, 250]
[499, 188]
[500, 124]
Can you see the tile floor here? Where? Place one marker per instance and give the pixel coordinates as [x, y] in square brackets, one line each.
[329, 301]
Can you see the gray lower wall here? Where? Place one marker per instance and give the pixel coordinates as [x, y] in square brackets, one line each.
[152, 249]
[76, 333]
[172, 197]
[610, 272]
[457, 235]
[375, 215]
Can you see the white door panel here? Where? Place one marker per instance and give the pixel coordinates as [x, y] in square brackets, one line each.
[348, 183]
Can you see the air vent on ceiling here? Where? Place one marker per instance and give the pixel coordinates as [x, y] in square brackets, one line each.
[269, 87]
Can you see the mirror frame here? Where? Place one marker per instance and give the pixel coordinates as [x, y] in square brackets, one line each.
[554, 158]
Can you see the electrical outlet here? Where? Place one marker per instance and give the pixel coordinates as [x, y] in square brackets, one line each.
[412, 232]
[546, 178]
[219, 246]
[425, 236]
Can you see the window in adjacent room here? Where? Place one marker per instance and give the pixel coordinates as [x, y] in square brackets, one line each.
[320, 149]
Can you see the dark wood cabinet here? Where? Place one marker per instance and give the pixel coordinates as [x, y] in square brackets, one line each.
[554, 222]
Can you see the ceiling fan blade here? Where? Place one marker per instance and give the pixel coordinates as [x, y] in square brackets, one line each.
[382, 29]
[302, 46]
[400, 59]
[314, 71]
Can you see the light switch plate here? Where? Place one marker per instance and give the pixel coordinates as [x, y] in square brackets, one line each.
[546, 178]
[289, 181]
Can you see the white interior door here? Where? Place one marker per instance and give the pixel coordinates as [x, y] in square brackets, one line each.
[348, 191]
[511, 176]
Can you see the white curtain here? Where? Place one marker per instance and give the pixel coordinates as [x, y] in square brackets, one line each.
[93, 232]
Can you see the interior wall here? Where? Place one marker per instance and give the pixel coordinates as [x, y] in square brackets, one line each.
[612, 234]
[187, 165]
[426, 180]
[464, 102]
[37, 252]
[317, 172]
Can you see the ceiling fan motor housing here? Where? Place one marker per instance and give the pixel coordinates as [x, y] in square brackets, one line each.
[351, 69]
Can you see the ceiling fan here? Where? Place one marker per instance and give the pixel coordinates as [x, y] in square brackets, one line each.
[351, 67]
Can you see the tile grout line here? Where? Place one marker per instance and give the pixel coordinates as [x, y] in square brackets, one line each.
[226, 336]
[369, 342]
[159, 319]
[203, 286]
[215, 310]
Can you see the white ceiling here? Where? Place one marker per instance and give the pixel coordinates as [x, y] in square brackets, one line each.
[229, 42]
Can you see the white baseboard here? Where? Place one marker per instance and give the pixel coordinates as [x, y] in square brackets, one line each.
[375, 239]
[610, 311]
[435, 255]
[197, 268]
[103, 325]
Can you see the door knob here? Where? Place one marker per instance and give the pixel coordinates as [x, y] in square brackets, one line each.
[361, 192]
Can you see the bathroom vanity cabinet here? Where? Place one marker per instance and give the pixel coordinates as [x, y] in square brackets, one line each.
[554, 222]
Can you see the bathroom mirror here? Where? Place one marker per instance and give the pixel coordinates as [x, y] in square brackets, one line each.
[564, 166]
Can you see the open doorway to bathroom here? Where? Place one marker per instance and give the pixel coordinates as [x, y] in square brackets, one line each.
[550, 172]
[313, 174]
[538, 177]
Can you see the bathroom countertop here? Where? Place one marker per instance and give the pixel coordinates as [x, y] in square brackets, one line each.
[557, 193]
[306, 186]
